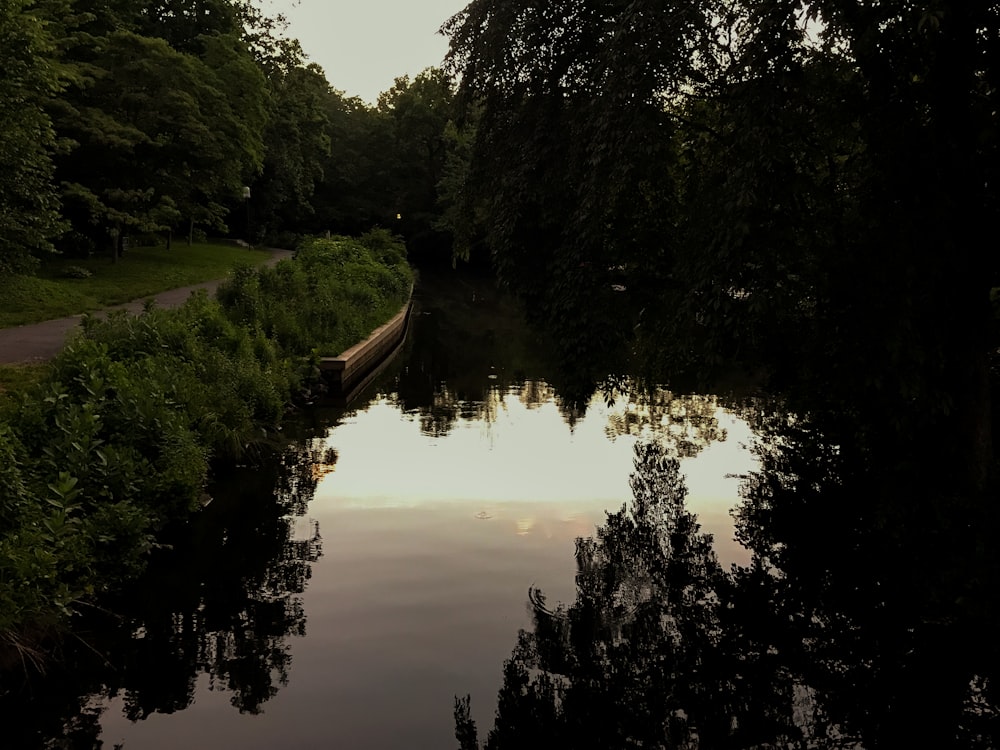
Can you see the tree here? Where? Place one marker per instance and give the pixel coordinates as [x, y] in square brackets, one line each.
[231, 150]
[153, 135]
[798, 186]
[296, 144]
[141, 127]
[923, 219]
[419, 112]
[355, 193]
[29, 204]
[186, 24]
[827, 174]
[573, 163]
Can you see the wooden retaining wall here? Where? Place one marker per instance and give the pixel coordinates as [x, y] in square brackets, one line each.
[354, 369]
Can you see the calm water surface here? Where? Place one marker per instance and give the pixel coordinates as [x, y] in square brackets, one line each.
[439, 500]
[343, 594]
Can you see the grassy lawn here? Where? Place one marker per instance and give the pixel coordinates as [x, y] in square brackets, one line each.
[15, 378]
[143, 271]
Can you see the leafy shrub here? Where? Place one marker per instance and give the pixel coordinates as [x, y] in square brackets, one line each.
[76, 272]
[75, 244]
[117, 439]
[12, 488]
[228, 379]
[335, 292]
[62, 539]
[385, 246]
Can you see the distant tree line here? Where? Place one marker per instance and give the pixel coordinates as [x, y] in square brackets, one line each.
[149, 118]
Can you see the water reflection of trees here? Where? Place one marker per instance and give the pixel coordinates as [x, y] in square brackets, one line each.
[221, 601]
[845, 631]
[448, 408]
[468, 344]
[687, 422]
[890, 603]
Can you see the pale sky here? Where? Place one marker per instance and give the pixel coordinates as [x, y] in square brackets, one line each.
[363, 45]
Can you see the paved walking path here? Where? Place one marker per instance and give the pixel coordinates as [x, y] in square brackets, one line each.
[38, 342]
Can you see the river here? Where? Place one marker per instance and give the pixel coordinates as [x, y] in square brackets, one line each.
[344, 593]
[451, 488]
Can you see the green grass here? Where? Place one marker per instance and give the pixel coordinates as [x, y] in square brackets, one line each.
[17, 378]
[144, 271]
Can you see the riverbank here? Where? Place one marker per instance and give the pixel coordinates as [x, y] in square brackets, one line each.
[35, 342]
[119, 436]
[64, 287]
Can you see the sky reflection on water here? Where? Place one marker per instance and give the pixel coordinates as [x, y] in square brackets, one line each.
[430, 544]
[524, 460]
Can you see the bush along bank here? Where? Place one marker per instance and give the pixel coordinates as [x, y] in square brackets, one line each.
[333, 296]
[118, 438]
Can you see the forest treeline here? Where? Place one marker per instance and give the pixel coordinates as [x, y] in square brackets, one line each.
[135, 119]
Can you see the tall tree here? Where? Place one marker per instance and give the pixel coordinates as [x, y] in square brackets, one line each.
[296, 143]
[419, 112]
[185, 24]
[572, 164]
[798, 185]
[155, 130]
[356, 191]
[29, 205]
[231, 149]
[930, 78]
[154, 135]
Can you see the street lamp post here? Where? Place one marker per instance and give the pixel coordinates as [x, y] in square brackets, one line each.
[246, 200]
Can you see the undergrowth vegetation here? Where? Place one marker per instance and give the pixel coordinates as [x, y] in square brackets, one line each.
[333, 296]
[118, 436]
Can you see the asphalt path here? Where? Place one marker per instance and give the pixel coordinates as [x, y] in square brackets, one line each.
[40, 342]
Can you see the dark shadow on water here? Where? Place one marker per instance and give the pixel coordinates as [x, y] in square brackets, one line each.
[867, 619]
[221, 599]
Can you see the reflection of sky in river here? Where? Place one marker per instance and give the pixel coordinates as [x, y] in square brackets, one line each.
[430, 544]
[523, 460]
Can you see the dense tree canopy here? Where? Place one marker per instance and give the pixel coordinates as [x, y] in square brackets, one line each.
[149, 118]
[297, 144]
[806, 189]
[28, 202]
[800, 186]
[418, 113]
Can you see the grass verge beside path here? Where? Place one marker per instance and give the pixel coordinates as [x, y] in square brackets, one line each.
[142, 272]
